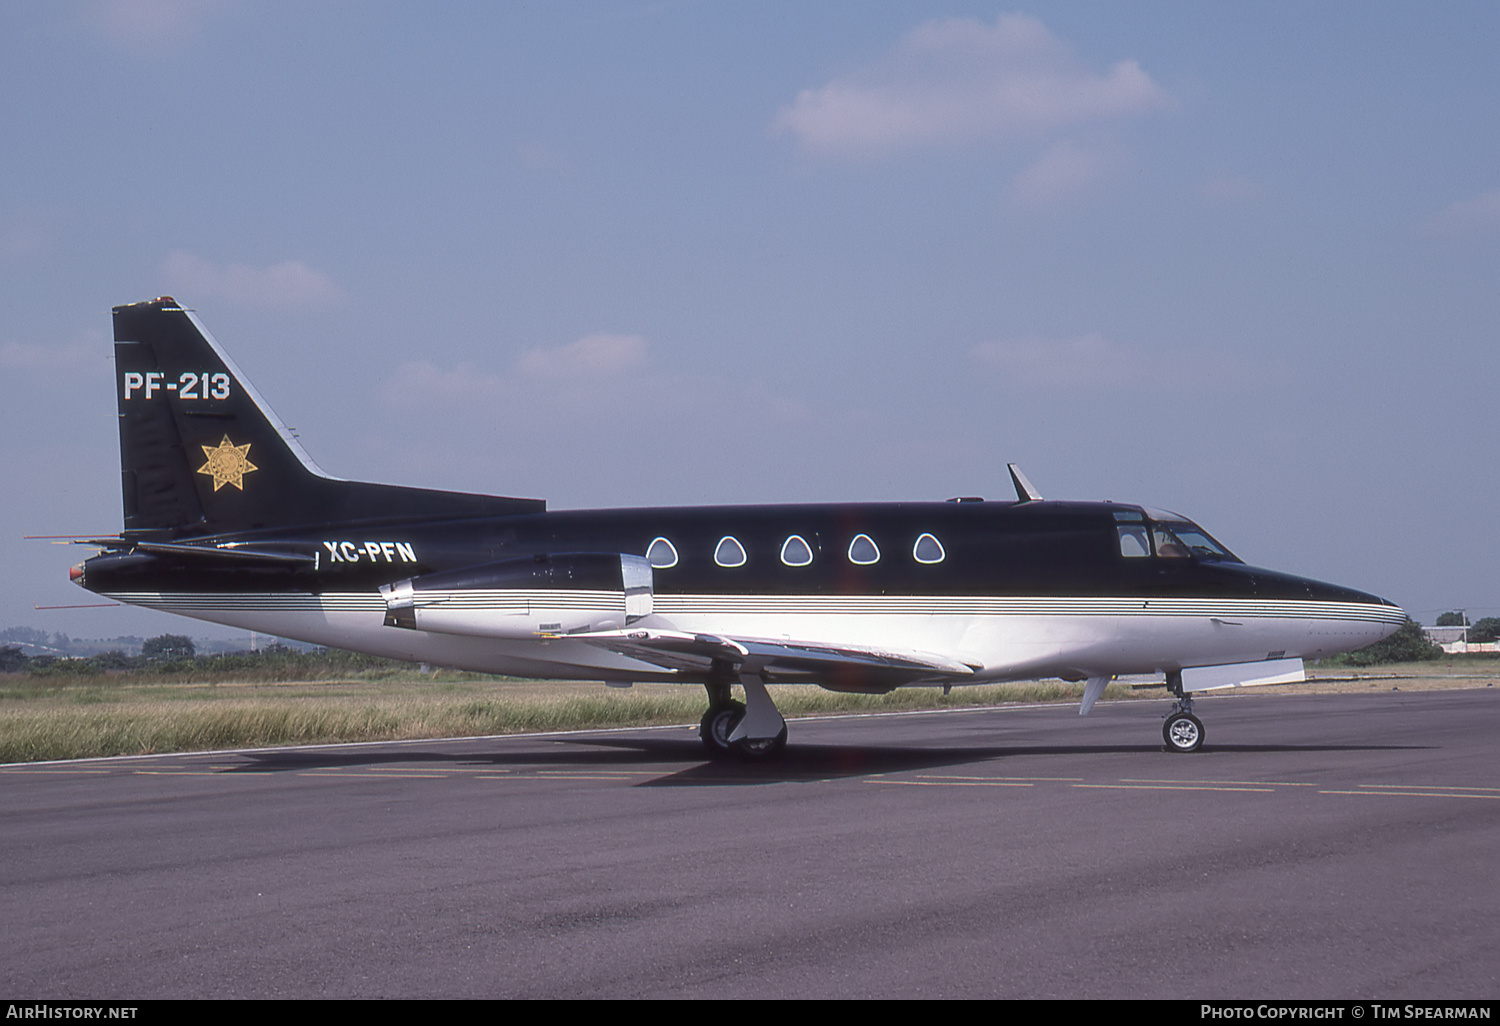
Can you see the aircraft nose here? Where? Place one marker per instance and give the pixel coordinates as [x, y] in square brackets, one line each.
[1369, 630]
[75, 573]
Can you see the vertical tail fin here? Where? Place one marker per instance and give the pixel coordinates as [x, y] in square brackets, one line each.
[202, 453]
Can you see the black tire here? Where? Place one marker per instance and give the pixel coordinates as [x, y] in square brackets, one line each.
[758, 749]
[716, 726]
[1183, 732]
[719, 722]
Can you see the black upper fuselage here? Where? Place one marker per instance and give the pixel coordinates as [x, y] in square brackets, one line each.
[986, 548]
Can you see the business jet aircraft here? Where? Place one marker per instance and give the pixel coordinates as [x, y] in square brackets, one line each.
[227, 519]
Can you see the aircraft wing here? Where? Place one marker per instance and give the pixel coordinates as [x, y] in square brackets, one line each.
[838, 667]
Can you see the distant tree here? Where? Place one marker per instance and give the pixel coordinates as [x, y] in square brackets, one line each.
[1407, 645]
[1487, 629]
[1454, 619]
[12, 659]
[166, 648]
[114, 659]
[26, 636]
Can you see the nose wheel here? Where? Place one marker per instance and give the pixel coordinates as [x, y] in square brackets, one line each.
[1182, 731]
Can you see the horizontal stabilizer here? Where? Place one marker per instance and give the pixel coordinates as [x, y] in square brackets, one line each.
[214, 553]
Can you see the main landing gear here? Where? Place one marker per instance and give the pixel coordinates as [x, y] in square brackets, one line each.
[732, 729]
[1182, 731]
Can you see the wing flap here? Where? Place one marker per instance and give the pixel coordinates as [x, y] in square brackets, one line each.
[837, 667]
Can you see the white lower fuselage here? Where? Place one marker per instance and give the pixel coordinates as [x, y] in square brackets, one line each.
[1004, 638]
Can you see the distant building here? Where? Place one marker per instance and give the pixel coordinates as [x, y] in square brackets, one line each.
[1452, 640]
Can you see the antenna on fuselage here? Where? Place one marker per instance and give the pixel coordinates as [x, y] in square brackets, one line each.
[1025, 491]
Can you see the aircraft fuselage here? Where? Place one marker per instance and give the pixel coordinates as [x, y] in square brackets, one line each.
[1015, 589]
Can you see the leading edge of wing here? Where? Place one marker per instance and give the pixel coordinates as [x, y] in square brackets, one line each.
[779, 660]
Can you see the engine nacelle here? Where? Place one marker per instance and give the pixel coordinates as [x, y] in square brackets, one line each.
[544, 595]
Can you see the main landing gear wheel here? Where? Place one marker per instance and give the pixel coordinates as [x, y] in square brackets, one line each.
[1183, 732]
[719, 722]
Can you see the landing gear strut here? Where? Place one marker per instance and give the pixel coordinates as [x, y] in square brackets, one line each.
[1182, 731]
[724, 730]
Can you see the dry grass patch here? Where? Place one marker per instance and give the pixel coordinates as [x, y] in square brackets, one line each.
[100, 716]
[102, 719]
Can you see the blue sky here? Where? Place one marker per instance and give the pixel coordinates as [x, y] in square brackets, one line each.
[1239, 261]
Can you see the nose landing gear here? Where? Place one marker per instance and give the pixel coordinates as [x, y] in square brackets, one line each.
[1182, 731]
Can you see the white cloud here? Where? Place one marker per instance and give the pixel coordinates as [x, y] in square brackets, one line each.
[1475, 215]
[1088, 359]
[1093, 362]
[578, 367]
[148, 24]
[426, 381]
[960, 79]
[90, 354]
[541, 156]
[1064, 170]
[1229, 190]
[288, 284]
[17, 243]
[590, 356]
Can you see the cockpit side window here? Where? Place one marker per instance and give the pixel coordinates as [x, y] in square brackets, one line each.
[1200, 544]
[1154, 532]
[1167, 544]
[1133, 541]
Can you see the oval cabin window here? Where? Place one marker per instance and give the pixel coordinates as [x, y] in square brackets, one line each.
[863, 550]
[796, 552]
[928, 550]
[661, 554]
[729, 552]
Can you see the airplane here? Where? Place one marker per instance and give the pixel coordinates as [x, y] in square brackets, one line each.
[227, 519]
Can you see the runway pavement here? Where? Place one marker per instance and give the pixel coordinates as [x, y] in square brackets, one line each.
[1339, 846]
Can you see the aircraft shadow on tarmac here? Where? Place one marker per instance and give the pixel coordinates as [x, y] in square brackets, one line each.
[805, 762]
[827, 762]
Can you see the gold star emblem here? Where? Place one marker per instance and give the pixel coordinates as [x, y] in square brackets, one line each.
[227, 463]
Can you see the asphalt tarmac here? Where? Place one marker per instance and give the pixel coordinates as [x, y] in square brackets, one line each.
[1319, 846]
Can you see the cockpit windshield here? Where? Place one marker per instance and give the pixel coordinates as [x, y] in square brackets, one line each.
[1196, 541]
[1167, 536]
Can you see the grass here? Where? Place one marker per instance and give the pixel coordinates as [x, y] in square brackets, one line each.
[52, 719]
[58, 716]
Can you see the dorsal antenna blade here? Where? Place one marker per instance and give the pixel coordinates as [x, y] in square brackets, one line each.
[1025, 492]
